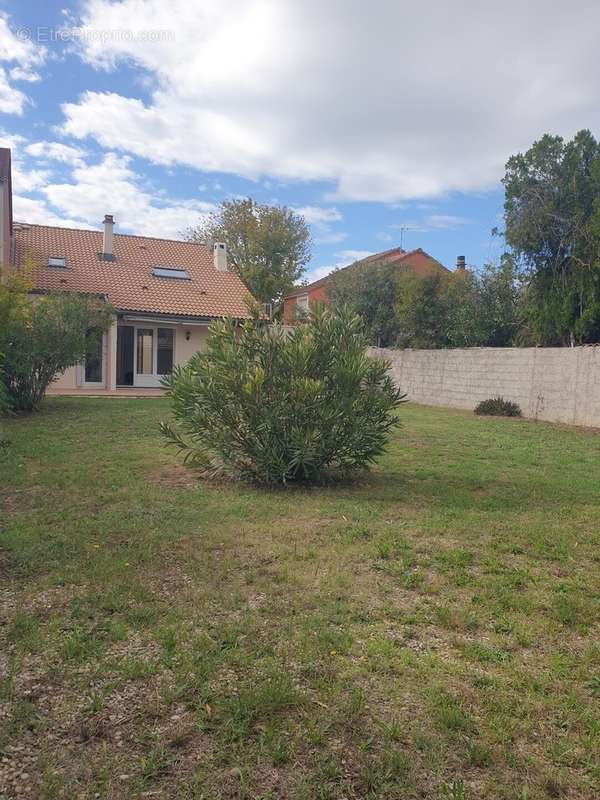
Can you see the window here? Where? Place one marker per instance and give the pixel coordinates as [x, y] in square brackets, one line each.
[170, 272]
[93, 356]
[302, 305]
[164, 351]
[57, 261]
[145, 337]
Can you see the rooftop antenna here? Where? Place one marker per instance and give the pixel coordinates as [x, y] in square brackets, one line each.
[403, 229]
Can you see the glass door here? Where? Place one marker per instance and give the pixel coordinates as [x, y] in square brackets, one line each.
[154, 354]
[144, 357]
[94, 357]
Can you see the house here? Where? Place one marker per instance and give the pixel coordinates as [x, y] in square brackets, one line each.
[165, 294]
[298, 302]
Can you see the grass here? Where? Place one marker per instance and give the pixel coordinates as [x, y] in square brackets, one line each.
[430, 632]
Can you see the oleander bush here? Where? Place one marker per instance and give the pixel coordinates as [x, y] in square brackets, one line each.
[498, 407]
[274, 407]
[40, 336]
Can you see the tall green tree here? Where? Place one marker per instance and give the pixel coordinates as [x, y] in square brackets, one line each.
[463, 318]
[552, 224]
[370, 291]
[421, 311]
[459, 310]
[267, 246]
[500, 291]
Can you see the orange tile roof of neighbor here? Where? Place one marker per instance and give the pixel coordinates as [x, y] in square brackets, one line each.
[128, 281]
[417, 261]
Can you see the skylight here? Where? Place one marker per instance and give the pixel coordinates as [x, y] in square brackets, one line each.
[57, 261]
[170, 272]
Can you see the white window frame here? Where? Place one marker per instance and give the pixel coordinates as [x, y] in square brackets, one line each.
[153, 380]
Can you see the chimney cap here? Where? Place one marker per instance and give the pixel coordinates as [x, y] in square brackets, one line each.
[109, 218]
[460, 262]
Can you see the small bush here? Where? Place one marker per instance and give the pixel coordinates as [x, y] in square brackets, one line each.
[498, 407]
[46, 336]
[275, 407]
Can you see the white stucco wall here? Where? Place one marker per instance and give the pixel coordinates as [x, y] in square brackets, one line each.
[71, 380]
[553, 384]
[66, 380]
[185, 349]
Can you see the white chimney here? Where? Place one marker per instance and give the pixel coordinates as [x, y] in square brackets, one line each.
[220, 256]
[107, 240]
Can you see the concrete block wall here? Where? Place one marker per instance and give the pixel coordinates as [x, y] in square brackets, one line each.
[553, 384]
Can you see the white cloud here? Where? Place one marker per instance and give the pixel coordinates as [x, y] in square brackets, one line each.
[92, 190]
[317, 215]
[24, 178]
[320, 219]
[36, 212]
[20, 74]
[388, 101]
[56, 151]
[19, 51]
[113, 187]
[11, 100]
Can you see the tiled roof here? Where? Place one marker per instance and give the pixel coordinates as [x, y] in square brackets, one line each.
[128, 281]
[418, 261]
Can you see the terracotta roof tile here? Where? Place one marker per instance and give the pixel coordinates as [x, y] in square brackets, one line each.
[418, 261]
[128, 281]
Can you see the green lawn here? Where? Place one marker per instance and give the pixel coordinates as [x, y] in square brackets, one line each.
[430, 632]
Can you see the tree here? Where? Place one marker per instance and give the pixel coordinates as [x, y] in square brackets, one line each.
[276, 407]
[268, 246]
[49, 335]
[421, 310]
[500, 290]
[370, 291]
[552, 224]
[460, 309]
[463, 319]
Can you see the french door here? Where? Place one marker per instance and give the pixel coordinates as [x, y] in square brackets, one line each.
[146, 353]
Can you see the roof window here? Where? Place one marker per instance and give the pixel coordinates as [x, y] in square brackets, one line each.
[57, 261]
[170, 272]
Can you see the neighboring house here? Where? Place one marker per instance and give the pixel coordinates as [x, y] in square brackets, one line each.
[165, 294]
[297, 303]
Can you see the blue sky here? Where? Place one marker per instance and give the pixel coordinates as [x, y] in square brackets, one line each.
[369, 120]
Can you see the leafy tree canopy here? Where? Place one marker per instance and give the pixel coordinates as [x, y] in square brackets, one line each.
[370, 290]
[267, 246]
[398, 308]
[552, 224]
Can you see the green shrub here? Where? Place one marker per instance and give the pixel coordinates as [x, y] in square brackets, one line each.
[46, 336]
[498, 407]
[275, 407]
